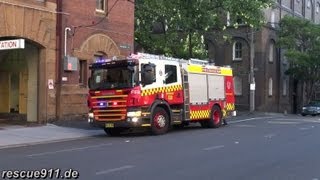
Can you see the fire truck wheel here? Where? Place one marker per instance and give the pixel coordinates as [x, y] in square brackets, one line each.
[160, 121]
[215, 119]
[113, 131]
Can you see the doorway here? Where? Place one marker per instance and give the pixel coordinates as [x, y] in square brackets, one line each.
[19, 85]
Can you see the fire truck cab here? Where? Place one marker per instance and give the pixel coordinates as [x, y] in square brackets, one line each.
[157, 92]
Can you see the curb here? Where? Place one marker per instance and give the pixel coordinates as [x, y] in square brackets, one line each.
[46, 142]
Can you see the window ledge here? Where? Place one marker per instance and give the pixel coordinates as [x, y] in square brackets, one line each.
[237, 59]
[100, 13]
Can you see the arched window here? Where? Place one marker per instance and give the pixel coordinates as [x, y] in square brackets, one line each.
[237, 85]
[270, 87]
[237, 51]
[318, 8]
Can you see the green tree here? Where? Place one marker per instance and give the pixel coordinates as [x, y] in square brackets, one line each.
[301, 39]
[178, 27]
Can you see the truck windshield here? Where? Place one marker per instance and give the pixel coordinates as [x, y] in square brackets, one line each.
[113, 78]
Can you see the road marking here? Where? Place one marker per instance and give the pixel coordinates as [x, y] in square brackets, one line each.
[270, 136]
[245, 125]
[68, 150]
[213, 148]
[301, 120]
[114, 170]
[250, 119]
[306, 128]
[283, 122]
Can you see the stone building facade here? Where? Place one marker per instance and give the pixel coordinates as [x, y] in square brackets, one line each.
[274, 91]
[34, 80]
[25, 72]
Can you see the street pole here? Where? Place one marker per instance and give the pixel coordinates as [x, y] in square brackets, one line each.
[252, 80]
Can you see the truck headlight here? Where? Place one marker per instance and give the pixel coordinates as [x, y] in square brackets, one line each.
[304, 108]
[134, 114]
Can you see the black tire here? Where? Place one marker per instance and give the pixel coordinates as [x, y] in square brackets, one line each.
[160, 121]
[113, 131]
[215, 118]
[303, 114]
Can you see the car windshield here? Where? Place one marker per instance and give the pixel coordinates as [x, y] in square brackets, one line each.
[314, 103]
[113, 78]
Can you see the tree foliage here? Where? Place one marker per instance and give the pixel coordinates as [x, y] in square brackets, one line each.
[301, 39]
[177, 27]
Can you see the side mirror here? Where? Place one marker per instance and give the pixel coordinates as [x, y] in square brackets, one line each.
[90, 83]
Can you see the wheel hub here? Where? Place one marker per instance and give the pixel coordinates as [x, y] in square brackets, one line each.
[160, 121]
[216, 117]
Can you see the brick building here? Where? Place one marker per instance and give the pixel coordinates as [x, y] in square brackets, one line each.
[97, 28]
[35, 83]
[275, 91]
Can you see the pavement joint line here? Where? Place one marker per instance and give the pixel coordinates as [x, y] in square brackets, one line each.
[213, 148]
[114, 170]
[69, 150]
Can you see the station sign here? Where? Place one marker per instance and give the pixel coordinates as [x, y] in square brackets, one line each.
[12, 44]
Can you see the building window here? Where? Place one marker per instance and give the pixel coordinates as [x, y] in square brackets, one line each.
[170, 74]
[318, 8]
[83, 72]
[272, 19]
[271, 52]
[228, 18]
[270, 87]
[284, 87]
[237, 85]
[308, 4]
[237, 51]
[101, 5]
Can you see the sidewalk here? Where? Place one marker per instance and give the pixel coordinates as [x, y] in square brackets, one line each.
[16, 136]
[248, 114]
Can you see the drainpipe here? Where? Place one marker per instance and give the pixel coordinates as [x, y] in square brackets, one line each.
[65, 39]
[58, 58]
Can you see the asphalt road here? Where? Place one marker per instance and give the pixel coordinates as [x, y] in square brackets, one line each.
[274, 148]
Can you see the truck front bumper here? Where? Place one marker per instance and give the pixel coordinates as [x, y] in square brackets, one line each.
[128, 123]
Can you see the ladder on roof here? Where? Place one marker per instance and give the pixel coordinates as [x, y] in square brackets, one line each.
[161, 57]
[186, 93]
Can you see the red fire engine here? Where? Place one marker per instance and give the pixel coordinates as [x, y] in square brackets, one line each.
[158, 92]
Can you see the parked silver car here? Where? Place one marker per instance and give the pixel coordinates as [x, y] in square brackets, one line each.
[313, 108]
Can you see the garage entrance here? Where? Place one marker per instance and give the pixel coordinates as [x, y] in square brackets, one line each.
[19, 85]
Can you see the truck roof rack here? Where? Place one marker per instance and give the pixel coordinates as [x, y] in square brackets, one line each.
[162, 57]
